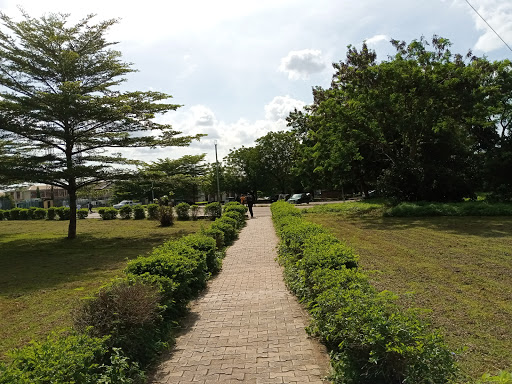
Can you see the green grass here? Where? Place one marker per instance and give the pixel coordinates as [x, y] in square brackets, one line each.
[44, 274]
[459, 268]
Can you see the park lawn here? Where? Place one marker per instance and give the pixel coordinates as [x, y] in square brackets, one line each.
[459, 268]
[43, 274]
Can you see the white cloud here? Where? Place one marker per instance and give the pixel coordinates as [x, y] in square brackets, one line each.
[302, 64]
[281, 106]
[498, 13]
[374, 40]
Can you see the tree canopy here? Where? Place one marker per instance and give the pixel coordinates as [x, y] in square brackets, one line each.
[60, 103]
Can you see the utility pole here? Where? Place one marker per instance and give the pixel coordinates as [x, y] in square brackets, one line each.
[217, 168]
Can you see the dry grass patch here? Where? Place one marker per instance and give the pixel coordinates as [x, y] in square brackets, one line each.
[459, 268]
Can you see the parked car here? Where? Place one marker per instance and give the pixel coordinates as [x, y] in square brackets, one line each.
[123, 203]
[299, 198]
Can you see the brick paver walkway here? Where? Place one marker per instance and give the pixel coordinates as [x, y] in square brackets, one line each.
[247, 327]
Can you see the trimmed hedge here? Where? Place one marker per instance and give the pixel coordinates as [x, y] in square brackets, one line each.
[138, 212]
[182, 211]
[370, 338]
[108, 213]
[213, 210]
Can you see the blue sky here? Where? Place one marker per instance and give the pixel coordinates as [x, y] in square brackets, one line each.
[239, 67]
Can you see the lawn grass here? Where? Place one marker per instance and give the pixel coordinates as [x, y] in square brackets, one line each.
[43, 274]
[459, 268]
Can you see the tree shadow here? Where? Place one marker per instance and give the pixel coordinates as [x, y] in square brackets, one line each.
[33, 264]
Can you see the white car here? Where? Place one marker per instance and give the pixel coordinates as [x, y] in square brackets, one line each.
[123, 203]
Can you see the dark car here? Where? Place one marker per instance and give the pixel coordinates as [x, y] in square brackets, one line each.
[299, 198]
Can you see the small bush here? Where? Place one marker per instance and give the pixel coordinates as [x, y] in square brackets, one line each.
[165, 215]
[23, 214]
[64, 213]
[182, 210]
[108, 213]
[206, 246]
[153, 211]
[215, 233]
[51, 213]
[74, 358]
[39, 214]
[2, 215]
[130, 313]
[82, 213]
[14, 214]
[235, 206]
[138, 212]
[31, 213]
[126, 212]
[213, 210]
[237, 216]
[228, 230]
[194, 211]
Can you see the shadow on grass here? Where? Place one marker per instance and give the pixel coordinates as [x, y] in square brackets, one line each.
[481, 226]
[32, 264]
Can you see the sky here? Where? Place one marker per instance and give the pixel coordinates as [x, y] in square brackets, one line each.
[237, 68]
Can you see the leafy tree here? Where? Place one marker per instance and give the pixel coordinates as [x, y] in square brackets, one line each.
[243, 170]
[58, 99]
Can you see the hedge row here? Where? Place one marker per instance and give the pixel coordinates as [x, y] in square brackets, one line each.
[60, 213]
[120, 330]
[371, 340]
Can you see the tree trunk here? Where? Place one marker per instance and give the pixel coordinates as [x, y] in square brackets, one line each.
[72, 211]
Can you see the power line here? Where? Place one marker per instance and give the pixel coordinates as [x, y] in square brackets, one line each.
[489, 25]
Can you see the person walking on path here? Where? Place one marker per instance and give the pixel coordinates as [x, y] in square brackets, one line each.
[247, 327]
[250, 202]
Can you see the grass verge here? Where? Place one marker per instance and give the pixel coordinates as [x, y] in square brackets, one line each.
[44, 274]
[458, 268]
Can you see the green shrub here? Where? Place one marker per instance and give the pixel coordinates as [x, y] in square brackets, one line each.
[138, 212]
[126, 212]
[153, 211]
[182, 264]
[2, 216]
[7, 215]
[108, 213]
[215, 233]
[228, 230]
[64, 213]
[82, 213]
[14, 214]
[182, 210]
[194, 210]
[213, 210]
[129, 312]
[237, 216]
[39, 214]
[31, 213]
[235, 206]
[24, 214]
[67, 359]
[503, 377]
[166, 215]
[206, 246]
[51, 213]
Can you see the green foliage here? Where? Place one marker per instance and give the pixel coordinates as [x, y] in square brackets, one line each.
[138, 212]
[68, 359]
[502, 377]
[39, 214]
[206, 246]
[64, 213]
[237, 216]
[215, 233]
[153, 211]
[24, 214]
[165, 215]
[194, 210]
[129, 312]
[126, 212]
[467, 208]
[82, 213]
[109, 213]
[182, 211]
[51, 213]
[370, 339]
[179, 262]
[14, 214]
[227, 229]
[2, 215]
[213, 210]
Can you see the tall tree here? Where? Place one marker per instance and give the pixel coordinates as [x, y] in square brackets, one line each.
[58, 99]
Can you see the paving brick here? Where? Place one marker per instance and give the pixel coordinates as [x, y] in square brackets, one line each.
[247, 327]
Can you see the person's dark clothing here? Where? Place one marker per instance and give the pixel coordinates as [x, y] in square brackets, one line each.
[250, 202]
